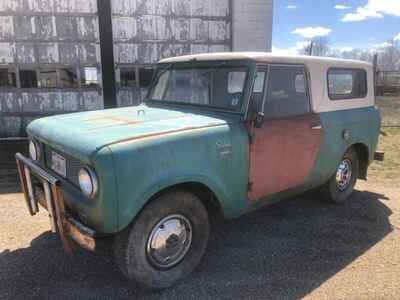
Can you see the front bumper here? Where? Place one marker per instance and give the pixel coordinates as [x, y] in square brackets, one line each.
[51, 198]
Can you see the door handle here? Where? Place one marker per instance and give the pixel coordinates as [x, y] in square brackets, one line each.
[316, 127]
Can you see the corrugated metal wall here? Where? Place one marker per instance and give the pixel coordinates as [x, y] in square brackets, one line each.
[44, 39]
[50, 49]
[145, 31]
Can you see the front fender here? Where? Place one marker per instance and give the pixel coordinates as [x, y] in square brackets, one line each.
[132, 208]
[216, 158]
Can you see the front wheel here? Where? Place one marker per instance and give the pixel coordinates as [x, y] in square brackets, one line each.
[341, 185]
[166, 241]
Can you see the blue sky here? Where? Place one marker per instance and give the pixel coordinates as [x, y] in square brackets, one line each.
[352, 24]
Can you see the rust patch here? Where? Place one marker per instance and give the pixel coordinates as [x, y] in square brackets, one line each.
[60, 219]
[107, 118]
[282, 154]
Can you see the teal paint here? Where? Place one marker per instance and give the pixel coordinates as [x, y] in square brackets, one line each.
[137, 154]
[214, 156]
[363, 125]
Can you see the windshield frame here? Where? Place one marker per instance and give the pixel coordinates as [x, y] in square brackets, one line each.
[248, 65]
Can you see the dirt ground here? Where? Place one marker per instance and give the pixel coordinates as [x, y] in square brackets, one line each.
[298, 248]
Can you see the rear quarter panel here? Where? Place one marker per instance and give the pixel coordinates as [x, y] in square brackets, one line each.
[363, 125]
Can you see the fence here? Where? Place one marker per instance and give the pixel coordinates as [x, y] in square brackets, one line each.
[390, 109]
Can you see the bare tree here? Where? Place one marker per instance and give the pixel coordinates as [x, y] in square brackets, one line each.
[389, 56]
[388, 53]
[318, 46]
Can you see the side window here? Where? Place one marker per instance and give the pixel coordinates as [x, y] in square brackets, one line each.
[145, 77]
[28, 78]
[48, 78]
[286, 92]
[299, 83]
[127, 77]
[68, 77]
[259, 82]
[7, 78]
[89, 77]
[258, 89]
[347, 84]
[236, 82]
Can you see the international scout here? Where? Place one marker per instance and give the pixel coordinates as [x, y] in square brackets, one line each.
[226, 131]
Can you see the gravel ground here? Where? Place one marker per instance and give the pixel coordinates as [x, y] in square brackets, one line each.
[297, 248]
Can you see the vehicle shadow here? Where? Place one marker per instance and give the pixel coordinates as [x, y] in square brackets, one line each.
[283, 251]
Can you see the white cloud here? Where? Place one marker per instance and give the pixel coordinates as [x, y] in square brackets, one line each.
[361, 14]
[295, 50]
[374, 9]
[312, 32]
[397, 37]
[291, 7]
[382, 45]
[346, 49]
[341, 7]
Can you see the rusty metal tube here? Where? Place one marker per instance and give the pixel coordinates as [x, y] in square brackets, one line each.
[31, 196]
[22, 178]
[50, 207]
[67, 228]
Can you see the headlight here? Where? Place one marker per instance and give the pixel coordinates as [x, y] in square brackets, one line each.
[88, 182]
[34, 150]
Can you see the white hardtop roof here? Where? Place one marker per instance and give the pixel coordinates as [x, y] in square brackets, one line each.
[266, 57]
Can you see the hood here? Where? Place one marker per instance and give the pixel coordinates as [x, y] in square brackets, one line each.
[82, 134]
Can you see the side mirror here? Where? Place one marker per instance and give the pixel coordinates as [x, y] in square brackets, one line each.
[259, 120]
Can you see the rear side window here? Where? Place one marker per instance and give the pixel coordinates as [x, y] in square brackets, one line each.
[286, 92]
[346, 84]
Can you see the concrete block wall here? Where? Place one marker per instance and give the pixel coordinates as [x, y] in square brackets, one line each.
[252, 25]
[38, 34]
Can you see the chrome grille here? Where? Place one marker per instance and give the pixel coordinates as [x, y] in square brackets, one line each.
[73, 165]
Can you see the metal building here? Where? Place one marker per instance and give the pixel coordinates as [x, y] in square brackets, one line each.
[61, 56]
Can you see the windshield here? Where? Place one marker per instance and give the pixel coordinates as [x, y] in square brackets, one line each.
[220, 87]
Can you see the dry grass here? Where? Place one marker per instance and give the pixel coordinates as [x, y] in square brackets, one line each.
[388, 170]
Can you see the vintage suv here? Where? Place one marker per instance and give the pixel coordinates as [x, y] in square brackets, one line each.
[225, 132]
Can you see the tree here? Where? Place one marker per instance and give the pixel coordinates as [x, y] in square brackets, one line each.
[389, 56]
[317, 46]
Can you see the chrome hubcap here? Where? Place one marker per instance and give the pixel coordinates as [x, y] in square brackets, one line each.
[343, 174]
[169, 241]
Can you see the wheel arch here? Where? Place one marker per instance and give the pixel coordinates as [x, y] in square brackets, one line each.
[206, 195]
[363, 158]
[211, 198]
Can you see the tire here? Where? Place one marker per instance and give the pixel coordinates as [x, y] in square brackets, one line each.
[151, 267]
[338, 191]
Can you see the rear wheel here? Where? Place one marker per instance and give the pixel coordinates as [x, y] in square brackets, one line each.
[166, 241]
[341, 185]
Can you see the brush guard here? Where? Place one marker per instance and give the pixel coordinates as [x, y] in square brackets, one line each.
[52, 200]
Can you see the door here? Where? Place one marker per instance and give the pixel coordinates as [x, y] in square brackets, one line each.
[283, 150]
